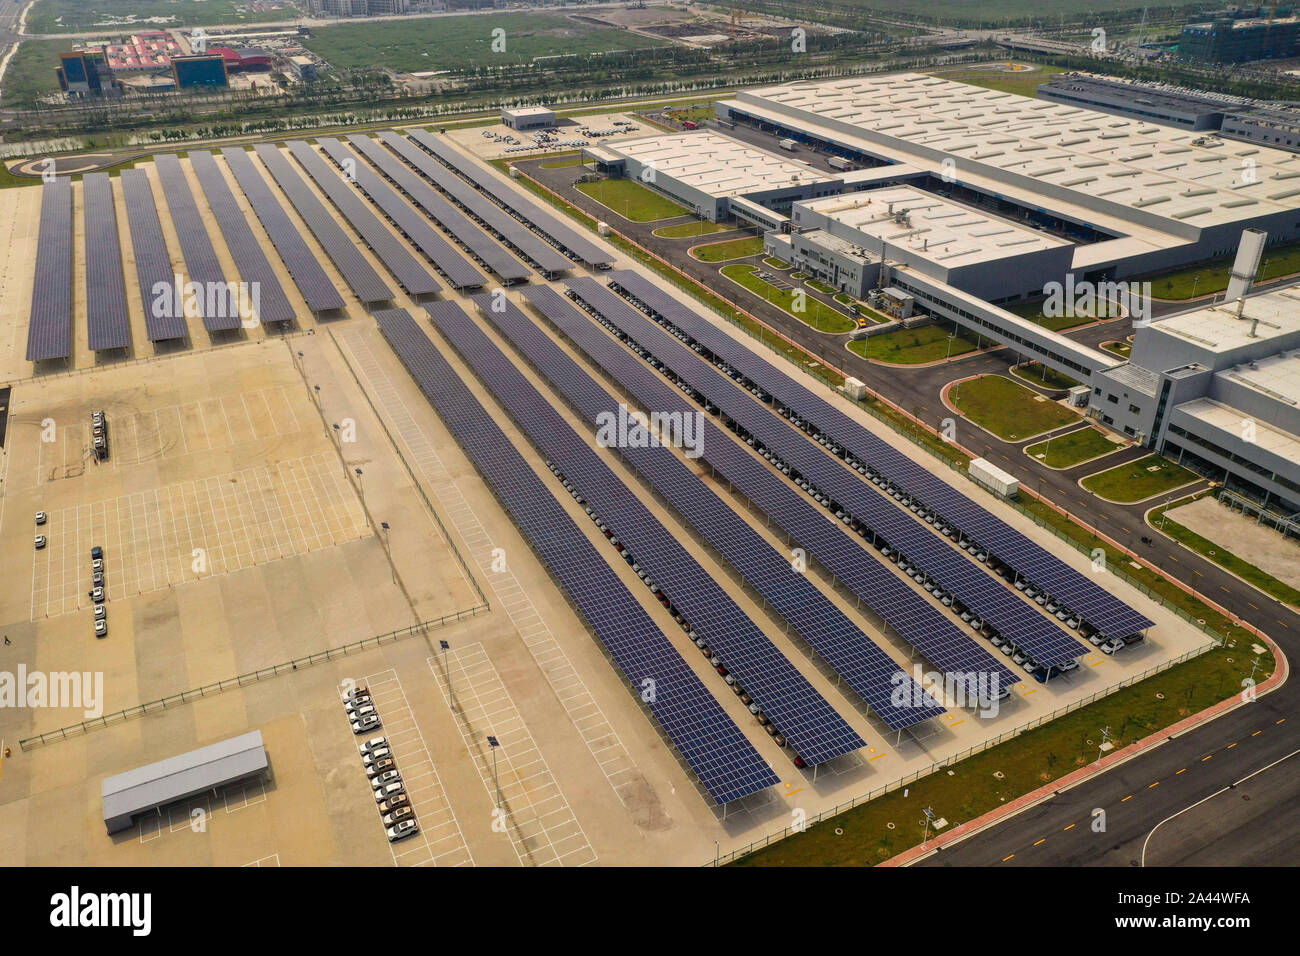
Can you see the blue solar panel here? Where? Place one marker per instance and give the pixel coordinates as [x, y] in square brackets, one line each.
[872, 674]
[915, 620]
[1000, 607]
[480, 245]
[404, 216]
[360, 276]
[406, 269]
[726, 762]
[108, 318]
[219, 310]
[1106, 613]
[809, 723]
[49, 327]
[544, 221]
[514, 233]
[245, 248]
[153, 263]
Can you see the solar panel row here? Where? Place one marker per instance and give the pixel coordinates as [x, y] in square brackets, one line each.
[890, 691]
[316, 288]
[547, 223]
[406, 218]
[1101, 609]
[406, 269]
[482, 246]
[1002, 608]
[809, 723]
[217, 306]
[245, 248]
[360, 276]
[49, 329]
[153, 263]
[532, 246]
[108, 319]
[726, 762]
[918, 622]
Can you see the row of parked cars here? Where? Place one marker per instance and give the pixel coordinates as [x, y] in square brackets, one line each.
[714, 660]
[386, 784]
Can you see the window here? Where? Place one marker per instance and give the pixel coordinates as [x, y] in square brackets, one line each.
[1112, 399]
[1133, 409]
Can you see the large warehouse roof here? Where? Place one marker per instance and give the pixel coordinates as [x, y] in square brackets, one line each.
[129, 794]
[717, 165]
[1158, 170]
[1217, 328]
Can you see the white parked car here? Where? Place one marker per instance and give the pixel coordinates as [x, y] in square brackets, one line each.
[40, 541]
[403, 830]
[41, 517]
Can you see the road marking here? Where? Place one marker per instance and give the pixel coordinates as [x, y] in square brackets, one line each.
[1257, 733]
[1154, 785]
[1072, 826]
[1231, 745]
[1127, 799]
[1005, 858]
[1207, 757]
[1041, 842]
[1184, 770]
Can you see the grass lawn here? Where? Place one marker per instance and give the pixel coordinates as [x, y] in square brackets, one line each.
[459, 43]
[1033, 311]
[31, 72]
[631, 200]
[1136, 480]
[1027, 762]
[928, 343]
[1223, 556]
[689, 230]
[1122, 349]
[695, 113]
[775, 263]
[563, 163]
[1042, 375]
[816, 314]
[731, 249]
[1064, 451]
[1008, 410]
[1024, 83]
[823, 287]
[1279, 260]
[78, 16]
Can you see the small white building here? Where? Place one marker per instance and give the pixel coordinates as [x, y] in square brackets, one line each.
[528, 117]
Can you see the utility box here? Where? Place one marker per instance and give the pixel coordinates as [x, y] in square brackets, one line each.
[602, 228]
[1079, 396]
[993, 478]
[854, 389]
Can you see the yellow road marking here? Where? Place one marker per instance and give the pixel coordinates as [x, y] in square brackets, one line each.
[1127, 799]
[1072, 826]
[959, 723]
[1231, 745]
[1206, 757]
[1184, 770]
[876, 757]
[1043, 840]
[1005, 858]
[1257, 733]
[1282, 721]
[1154, 785]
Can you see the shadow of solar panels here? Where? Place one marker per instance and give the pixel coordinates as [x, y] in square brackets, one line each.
[49, 328]
[356, 271]
[726, 763]
[153, 264]
[913, 618]
[865, 667]
[108, 323]
[517, 234]
[405, 268]
[1097, 606]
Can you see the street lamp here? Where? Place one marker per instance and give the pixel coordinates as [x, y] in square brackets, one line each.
[360, 480]
[493, 743]
[389, 544]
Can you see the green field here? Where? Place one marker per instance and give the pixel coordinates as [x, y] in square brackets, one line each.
[566, 163]
[825, 288]
[731, 249]
[1280, 260]
[1033, 311]
[1135, 481]
[1043, 376]
[689, 230]
[1122, 349]
[631, 200]
[1065, 451]
[1024, 83]
[31, 72]
[80, 16]
[929, 343]
[772, 263]
[459, 43]
[1010, 411]
[816, 314]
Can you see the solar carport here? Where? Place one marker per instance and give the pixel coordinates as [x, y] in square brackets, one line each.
[150, 788]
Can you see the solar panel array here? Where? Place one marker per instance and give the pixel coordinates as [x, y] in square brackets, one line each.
[809, 723]
[406, 269]
[482, 246]
[841, 643]
[49, 329]
[998, 605]
[153, 263]
[245, 248]
[220, 311]
[360, 276]
[1102, 610]
[532, 246]
[316, 288]
[406, 218]
[936, 636]
[544, 221]
[726, 762]
[108, 319]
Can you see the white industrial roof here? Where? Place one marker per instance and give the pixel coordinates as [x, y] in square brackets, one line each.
[528, 110]
[1277, 376]
[1218, 329]
[716, 164]
[1229, 419]
[945, 232]
[1138, 165]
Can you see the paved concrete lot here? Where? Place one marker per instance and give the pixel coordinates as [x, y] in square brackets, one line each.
[1254, 543]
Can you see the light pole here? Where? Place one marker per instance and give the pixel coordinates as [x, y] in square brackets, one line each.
[929, 816]
[493, 743]
[360, 481]
[388, 543]
[1195, 279]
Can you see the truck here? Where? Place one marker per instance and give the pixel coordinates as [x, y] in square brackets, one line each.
[789, 145]
[840, 163]
[690, 124]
